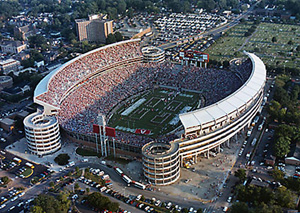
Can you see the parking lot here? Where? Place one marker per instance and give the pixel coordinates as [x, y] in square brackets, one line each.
[176, 26]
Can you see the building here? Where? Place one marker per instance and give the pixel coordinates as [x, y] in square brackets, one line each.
[153, 54]
[7, 124]
[42, 134]
[293, 158]
[5, 82]
[202, 130]
[24, 32]
[13, 46]
[9, 65]
[95, 29]
[209, 127]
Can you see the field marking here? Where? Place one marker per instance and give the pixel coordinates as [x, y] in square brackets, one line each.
[133, 107]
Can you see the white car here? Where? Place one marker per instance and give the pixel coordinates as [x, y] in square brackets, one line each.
[11, 208]
[2, 206]
[229, 199]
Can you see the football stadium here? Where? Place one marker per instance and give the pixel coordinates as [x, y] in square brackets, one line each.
[144, 107]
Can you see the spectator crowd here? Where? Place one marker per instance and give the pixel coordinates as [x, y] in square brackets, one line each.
[96, 82]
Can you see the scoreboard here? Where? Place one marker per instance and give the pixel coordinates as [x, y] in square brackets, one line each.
[193, 55]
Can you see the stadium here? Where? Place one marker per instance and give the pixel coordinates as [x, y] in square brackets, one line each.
[160, 111]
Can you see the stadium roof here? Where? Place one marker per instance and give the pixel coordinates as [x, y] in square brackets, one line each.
[233, 102]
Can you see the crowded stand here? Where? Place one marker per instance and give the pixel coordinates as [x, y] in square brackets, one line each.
[87, 65]
[100, 93]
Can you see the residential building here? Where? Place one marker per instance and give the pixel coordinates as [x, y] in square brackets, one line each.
[13, 46]
[25, 31]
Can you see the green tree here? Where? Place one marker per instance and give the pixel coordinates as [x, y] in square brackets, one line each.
[62, 159]
[185, 210]
[5, 180]
[241, 174]
[239, 207]
[114, 207]
[76, 186]
[118, 36]
[274, 39]
[284, 197]
[282, 146]
[87, 190]
[51, 184]
[49, 204]
[121, 6]
[110, 39]
[200, 210]
[36, 209]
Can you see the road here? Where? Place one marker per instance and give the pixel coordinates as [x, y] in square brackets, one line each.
[241, 161]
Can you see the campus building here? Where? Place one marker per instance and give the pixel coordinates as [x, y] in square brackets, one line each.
[95, 29]
[9, 65]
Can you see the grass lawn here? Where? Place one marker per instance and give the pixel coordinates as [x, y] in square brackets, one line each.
[155, 113]
[86, 152]
[28, 172]
[272, 53]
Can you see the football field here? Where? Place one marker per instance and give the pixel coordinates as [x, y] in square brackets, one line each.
[155, 112]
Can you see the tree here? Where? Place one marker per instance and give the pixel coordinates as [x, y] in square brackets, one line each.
[121, 6]
[100, 202]
[110, 39]
[274, 39]
[284, 197]
[143, 198]
[282, 146]
[48, 203]
[51, 184]
[77, 169]
[87, 190]
[36, 209]
[114, 207]
[185, 210]
[199, 210]
[239, 207]
[118, 36]
[76, 186]
[5, 180]
[241, 174]
[62, 159]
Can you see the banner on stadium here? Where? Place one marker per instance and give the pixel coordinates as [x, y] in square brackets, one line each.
[96, 128]
[142, 131]
[109, 131]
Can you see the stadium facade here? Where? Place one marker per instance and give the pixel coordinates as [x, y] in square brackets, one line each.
[212, 126]
[42, 134]
[204, 129]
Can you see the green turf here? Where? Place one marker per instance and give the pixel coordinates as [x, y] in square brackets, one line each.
[260, 43]
[27, 172]
[156, 111]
